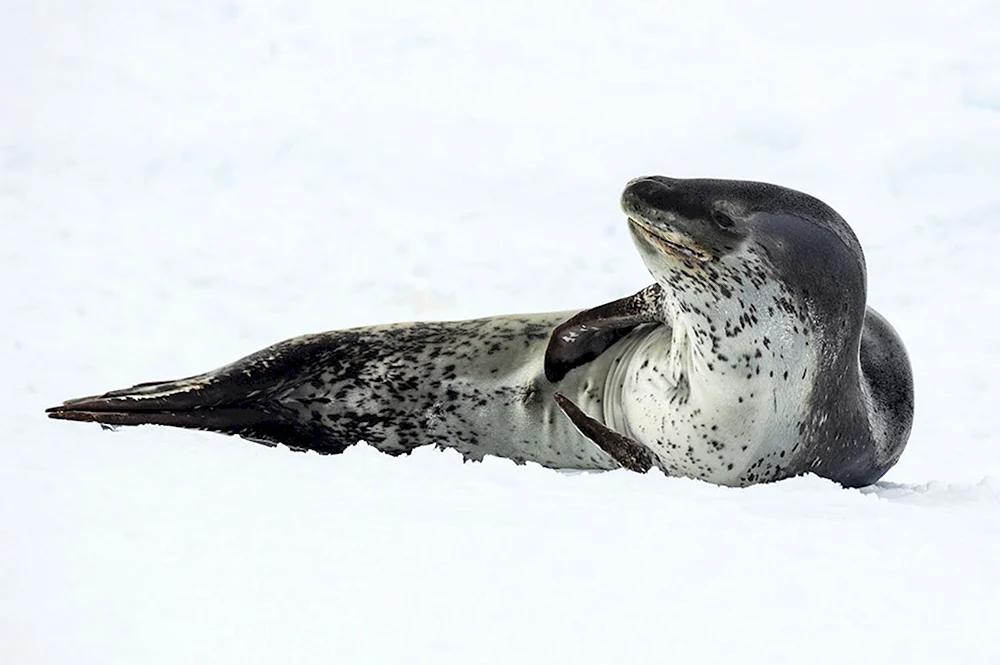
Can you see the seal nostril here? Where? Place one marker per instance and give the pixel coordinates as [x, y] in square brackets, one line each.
[723, 220]
[654, 192]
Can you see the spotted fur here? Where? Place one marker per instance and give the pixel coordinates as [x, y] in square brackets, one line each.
[753, 358]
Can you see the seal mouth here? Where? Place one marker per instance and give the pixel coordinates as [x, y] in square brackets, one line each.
[671, 245]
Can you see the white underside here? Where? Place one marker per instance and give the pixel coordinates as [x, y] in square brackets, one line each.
[672, 402]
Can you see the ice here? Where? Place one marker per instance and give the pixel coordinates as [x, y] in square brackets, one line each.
[183, 183]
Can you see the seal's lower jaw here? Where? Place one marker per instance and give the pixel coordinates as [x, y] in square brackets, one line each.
[671, 245]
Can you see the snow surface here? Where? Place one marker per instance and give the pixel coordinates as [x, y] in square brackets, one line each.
[184, 182]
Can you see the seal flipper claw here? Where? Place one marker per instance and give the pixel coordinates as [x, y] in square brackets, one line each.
[591, 332]
[631, 454]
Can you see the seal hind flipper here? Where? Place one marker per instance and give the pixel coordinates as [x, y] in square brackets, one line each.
[591, 332]
[235, 399]
[631, 454]
[249, 422]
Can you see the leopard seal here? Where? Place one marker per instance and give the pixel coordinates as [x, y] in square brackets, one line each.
[752, 358]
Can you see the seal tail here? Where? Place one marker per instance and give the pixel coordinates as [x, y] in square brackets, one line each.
[242, 399]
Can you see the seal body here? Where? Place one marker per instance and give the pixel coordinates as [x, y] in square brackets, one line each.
[753, 357]
[477, 386]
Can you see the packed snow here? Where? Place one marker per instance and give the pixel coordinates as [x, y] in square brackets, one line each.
[182, 183]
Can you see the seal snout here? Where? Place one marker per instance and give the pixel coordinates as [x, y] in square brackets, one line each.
[647, 194]
[651, 204]
[696, 219]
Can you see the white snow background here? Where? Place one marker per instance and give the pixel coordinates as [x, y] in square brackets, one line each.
[185, 182]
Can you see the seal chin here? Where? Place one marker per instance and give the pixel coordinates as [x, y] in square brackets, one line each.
[665, 241]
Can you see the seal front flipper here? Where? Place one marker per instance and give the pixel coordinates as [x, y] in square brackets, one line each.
[631, 454]
[588, 334]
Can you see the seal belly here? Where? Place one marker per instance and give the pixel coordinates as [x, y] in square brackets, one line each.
[712, 424]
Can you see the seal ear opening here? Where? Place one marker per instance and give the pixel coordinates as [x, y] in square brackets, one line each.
[593, 331]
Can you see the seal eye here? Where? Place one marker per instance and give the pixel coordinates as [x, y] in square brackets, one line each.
[723, 220]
